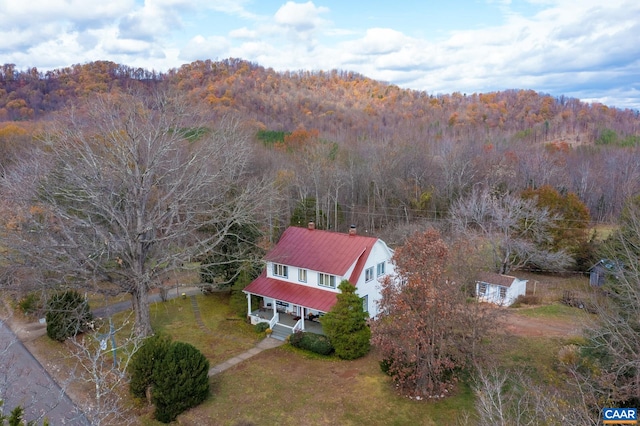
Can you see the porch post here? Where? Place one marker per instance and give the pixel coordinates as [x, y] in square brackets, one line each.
[303, 316]
[248, 304]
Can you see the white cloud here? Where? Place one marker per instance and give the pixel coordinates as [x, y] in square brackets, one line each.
[243, 33]
[301, 17]
[200, 48]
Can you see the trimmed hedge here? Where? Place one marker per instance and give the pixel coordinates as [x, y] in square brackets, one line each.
[312, 342]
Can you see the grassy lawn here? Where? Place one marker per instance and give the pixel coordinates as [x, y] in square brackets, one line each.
[287, 386]
[284, 386]
[553, 311]
[224, 335]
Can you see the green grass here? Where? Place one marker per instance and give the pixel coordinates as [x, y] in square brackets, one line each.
[286, 386]
[554, 310]
[223, 337]
[281, 387]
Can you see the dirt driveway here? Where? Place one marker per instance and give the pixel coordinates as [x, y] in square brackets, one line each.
[521, 325]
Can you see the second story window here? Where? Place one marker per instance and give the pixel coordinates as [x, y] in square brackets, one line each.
[380, 269]
[368, 274]
[302, 275]
[280, 270]
[326, 280]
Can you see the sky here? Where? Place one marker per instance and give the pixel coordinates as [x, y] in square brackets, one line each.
[585, 49]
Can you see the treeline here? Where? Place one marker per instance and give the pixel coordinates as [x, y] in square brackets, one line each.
[355, 150]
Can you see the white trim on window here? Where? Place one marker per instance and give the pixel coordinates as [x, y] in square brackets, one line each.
[302, 275]
[482, 289]
[368, 274]
[280, 270]
[326, 280]
[380, 269]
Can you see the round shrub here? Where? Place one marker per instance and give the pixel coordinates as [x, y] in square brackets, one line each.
[261, 327]
[144, 362]
[312, 342]
[68, 314]
[180, 381]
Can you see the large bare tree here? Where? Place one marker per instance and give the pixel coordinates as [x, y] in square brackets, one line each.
[127, 188]
[517, 231]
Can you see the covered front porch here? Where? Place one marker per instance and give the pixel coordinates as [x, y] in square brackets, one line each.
[287, 307]
[290, 321]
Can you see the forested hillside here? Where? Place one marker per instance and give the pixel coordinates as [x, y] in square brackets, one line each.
[372, 153]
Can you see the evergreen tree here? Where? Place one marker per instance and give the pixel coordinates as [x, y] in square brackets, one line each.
[144, 363]
[68, 314]
[180, 380]
[346, 324]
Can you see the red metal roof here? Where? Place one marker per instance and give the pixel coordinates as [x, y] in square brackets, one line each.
[324, 251]
[297, 294]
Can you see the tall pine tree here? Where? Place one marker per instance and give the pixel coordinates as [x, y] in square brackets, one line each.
[346, 324]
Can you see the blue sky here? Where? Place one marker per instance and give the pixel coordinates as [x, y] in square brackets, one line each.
[587, 49]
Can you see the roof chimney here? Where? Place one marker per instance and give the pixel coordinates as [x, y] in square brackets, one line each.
[352, 230]
[311, 226]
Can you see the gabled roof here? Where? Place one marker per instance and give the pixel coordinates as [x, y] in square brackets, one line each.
[296, 294]
[324, 251]
[496, 279]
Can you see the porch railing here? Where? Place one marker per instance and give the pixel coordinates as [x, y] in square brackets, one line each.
[274, 320]
[298, 326]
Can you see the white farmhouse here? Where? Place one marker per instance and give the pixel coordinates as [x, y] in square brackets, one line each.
[305, 268]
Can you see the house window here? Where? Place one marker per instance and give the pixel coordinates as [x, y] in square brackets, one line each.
[365, 303]
[503, 292]
[482, 289]
[368, 274]
[380, 269]
[280, 270]
[327, 280]
[302, 275]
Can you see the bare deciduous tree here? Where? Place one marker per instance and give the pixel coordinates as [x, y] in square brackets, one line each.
[102, 361]
[516, 230]
[614, 338]
[510, 398]
[127, 189]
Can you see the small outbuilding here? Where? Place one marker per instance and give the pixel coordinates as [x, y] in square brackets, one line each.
[599, 272]
[499, 289]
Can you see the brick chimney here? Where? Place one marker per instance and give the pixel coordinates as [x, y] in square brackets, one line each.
[311, 226]
[352, 230]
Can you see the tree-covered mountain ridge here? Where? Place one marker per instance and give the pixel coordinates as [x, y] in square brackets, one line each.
[341, 105]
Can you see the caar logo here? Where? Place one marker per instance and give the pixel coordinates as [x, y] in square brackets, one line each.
[619, 416]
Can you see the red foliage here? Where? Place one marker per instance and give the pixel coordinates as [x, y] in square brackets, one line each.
[416, 332]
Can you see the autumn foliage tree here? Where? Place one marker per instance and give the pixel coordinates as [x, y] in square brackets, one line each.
[570, 231]
[418, 331]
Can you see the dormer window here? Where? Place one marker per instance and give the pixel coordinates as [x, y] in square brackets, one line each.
[280, 270]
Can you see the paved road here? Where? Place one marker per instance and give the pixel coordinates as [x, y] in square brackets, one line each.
[24, 382]
[123, 306]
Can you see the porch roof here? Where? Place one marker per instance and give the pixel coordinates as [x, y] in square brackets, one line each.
[297, 294]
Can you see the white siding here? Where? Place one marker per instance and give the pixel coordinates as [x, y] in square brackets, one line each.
[493, 295]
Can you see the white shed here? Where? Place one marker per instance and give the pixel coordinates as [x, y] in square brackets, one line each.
[500, 289]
